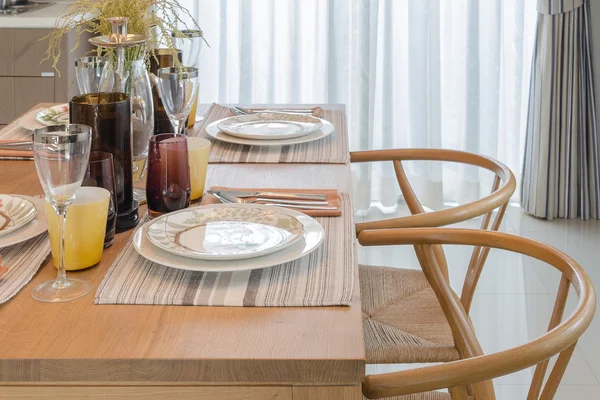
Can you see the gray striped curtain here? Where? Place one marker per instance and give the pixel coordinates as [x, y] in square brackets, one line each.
[560, 169]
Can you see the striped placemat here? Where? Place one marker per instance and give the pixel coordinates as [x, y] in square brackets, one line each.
[23, 260]
[323, 278]
[332, 149]
[14, 131]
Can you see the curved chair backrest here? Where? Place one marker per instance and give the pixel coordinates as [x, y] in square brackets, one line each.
[560, 339]
[503, 187]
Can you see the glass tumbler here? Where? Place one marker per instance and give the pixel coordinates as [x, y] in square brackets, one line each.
[101, 173]
[94, 74]
[168, 187]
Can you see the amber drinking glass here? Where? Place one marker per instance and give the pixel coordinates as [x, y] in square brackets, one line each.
[101, 173]
[168, 187]
[109, 115]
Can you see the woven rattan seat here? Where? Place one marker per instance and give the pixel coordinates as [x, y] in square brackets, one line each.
[422, 396]
[402, 319]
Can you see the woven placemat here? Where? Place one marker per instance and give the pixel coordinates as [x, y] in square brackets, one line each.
[323, 278]
[23, 261]
[332, 149]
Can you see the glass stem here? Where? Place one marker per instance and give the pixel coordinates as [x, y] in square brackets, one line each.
[61, 277]
[181, 126]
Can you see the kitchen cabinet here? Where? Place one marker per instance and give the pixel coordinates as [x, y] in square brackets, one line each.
[25, 80]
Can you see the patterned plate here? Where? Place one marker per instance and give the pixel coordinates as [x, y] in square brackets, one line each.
[226, 232]
[265, 126]
[55, 115]
[15, 212]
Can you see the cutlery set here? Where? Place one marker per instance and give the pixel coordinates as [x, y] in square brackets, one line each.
[290, 200]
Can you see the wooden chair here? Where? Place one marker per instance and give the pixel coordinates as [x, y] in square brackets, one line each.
[402, 318]
[471, 377]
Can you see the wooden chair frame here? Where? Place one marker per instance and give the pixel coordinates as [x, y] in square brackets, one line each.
[503, 187]
[560, 339]
[432, 258]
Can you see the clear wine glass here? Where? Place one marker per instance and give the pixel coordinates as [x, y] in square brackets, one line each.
[177, 88]
[190, 43]
[61, 155]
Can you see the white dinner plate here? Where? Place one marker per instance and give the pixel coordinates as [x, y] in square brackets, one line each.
[36, 227]
[311, 239]
[55, 115]
[270, 126]
[15, 213]
[325, 130]
[225, 232]
[29, 122]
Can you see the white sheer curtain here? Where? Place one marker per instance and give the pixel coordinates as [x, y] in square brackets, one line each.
[413, 73]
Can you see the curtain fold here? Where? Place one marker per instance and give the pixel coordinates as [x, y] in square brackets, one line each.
[560, 168]
[412, 73]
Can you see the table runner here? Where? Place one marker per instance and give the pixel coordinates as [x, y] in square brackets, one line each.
[323, 278]
[332, 149]
[23, 260]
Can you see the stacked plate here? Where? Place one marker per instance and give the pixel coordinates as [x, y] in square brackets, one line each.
[270, 129]
[228, 237]
[20, 219]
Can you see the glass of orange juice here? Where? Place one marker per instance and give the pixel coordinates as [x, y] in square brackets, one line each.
[84, 229]
[198, 152]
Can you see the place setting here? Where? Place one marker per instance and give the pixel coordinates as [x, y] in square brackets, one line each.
[271, 134]
[232, 241]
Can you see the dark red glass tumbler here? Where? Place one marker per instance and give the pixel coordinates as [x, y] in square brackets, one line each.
[168, 186]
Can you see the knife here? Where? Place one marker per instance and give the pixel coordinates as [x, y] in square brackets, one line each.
[17, 146]
[300, 207]
[289, 196]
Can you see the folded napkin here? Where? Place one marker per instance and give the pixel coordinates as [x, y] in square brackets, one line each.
[16, 154]
[333, 198]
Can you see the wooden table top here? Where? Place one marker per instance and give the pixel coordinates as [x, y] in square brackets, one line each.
[79, 342]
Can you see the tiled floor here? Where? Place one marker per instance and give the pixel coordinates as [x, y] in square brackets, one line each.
[515, 296]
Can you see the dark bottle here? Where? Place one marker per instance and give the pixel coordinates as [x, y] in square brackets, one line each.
[109, 115]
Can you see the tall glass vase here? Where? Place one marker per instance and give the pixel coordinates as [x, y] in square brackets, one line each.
[137, 86]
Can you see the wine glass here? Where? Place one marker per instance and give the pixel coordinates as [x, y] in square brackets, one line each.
[94, 74]
[61, 155]
[190, 43]
[177, 88]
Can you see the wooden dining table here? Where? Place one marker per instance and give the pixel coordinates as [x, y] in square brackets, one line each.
[79, 349]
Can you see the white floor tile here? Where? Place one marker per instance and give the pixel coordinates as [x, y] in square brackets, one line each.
[565, 392]
[504, 321]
